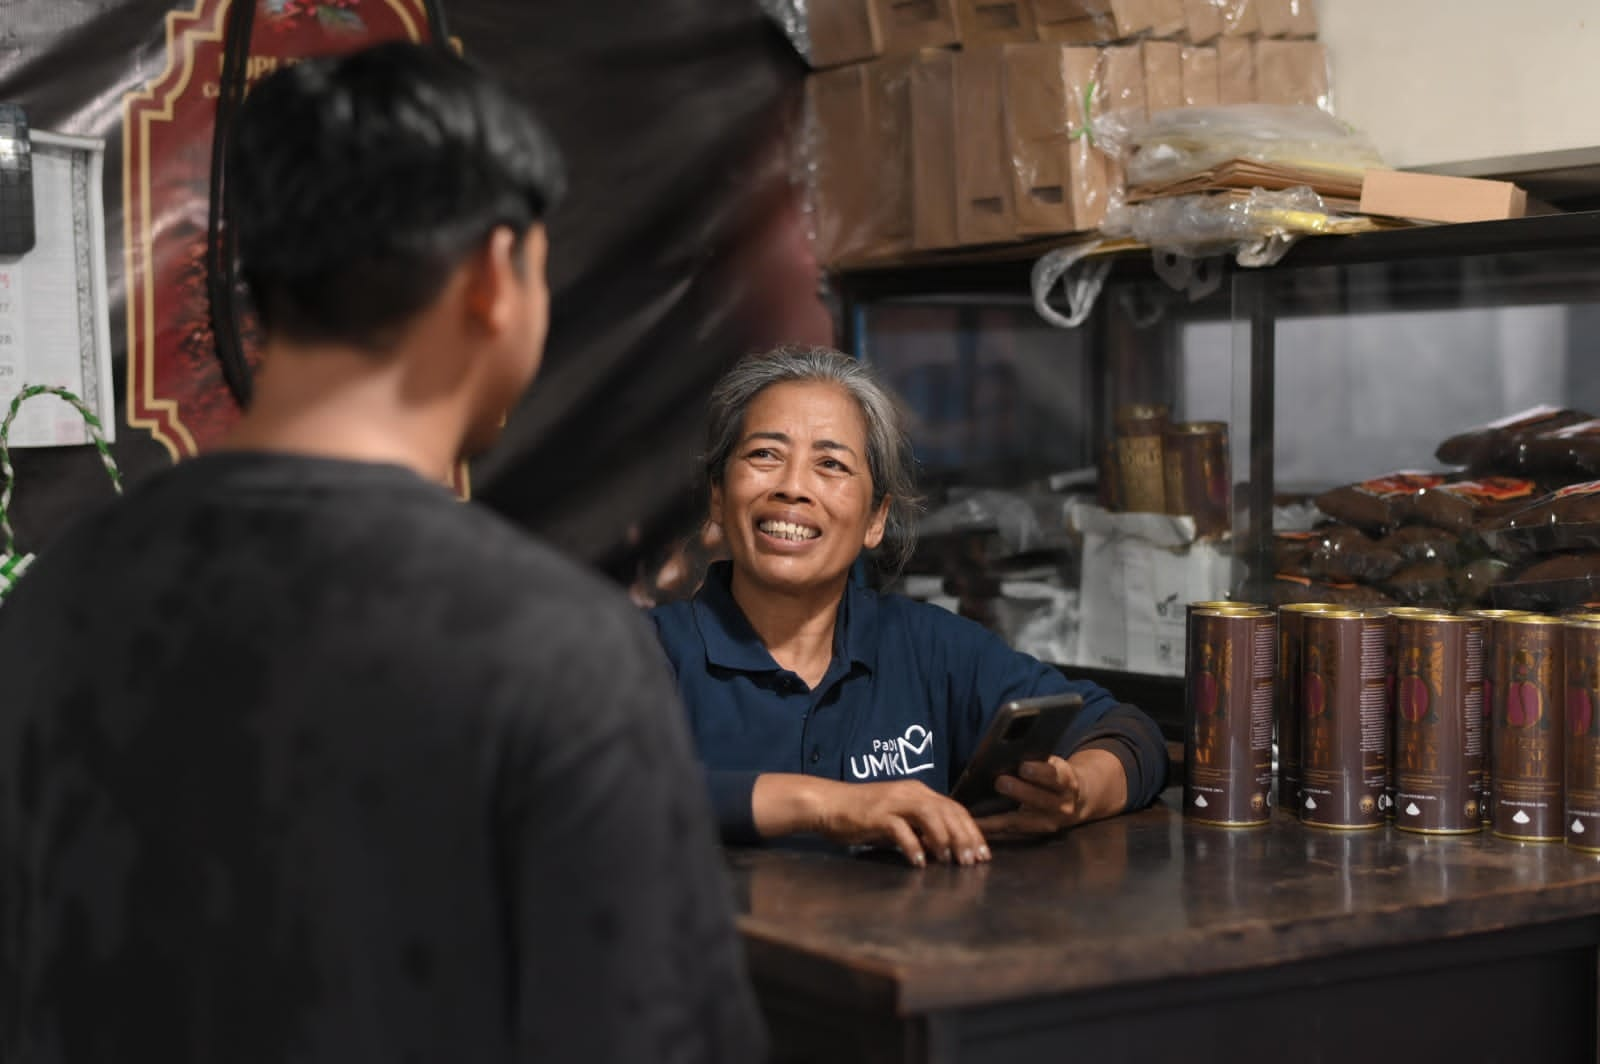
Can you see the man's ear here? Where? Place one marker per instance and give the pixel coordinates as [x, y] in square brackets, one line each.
[494, 282]
[876, 526]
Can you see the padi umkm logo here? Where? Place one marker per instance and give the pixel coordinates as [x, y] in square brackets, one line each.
[905, 756]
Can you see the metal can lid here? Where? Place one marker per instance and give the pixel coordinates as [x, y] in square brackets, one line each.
[1343, 613]
[1410, 611]
[1233, 611]
[1227, 604]
[1581, 615]
[1532, 618]
[1197, 428]
[1439, 616]
[1309, 607]
[1499, 615]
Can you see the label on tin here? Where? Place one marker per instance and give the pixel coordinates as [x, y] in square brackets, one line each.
[1582, 777]
[1528, 762]
[1345, 742]
[1228, 733]
[1439, 725]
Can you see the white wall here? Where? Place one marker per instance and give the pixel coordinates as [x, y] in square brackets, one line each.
[1444, 81]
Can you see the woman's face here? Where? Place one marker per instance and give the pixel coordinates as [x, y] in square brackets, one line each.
[795, 503]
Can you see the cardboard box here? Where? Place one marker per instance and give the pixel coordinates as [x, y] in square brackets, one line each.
[985, 205]
[1091, 21]
[986, 23]
[1167, 18]
[1236, 70]
[909, 26]
[1058, 179]
[1122, 84]
[1163, 75]
[1202, 20]
[933, 152]
[1292, 72]
[861, 119]
[1202, 85]
[1240, 18]
[1287, 18]
[1436, 198]
[844, 31]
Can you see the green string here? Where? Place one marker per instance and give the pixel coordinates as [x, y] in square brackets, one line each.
[12, 565]
[1087, 132]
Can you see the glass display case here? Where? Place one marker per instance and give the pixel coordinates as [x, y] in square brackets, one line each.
[1351, 358]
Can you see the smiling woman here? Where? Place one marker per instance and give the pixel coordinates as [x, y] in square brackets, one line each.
[822, 707]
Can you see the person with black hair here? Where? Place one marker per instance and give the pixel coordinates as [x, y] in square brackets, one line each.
[303, 759]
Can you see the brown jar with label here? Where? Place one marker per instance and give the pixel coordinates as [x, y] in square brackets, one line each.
[1290, 711]
[1494, 693]
[1198, 481]
[1141, 467]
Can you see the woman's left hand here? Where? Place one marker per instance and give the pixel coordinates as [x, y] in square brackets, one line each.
[1058, 793]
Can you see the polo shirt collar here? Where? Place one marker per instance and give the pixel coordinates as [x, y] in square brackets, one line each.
[731, 643]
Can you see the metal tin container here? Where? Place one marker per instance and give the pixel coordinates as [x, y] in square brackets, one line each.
[1231, 658]
[1528, 762]
[1438, 723]
[1140, 457]
[1345, 739]
[1581, 649]
[1197, 477]
[1494, 690]
[1395, 613]
[1290, 712]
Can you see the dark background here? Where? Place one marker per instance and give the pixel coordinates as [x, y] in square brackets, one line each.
[680, 247]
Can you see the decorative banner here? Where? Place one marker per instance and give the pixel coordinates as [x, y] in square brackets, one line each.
[175, 384]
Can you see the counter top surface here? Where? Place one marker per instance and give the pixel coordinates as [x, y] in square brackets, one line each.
[1143, 897]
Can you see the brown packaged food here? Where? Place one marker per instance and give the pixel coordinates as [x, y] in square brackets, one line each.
[1201, 78]
[1291, 552]
[1240, 18]
[1163, 75]
[1462, 504]
[1058, 179]
[844, 31]
[1202, 20]
[933, 152]
[1573, 451]
[1376, 505]
[1289, 588]
[1287, 18]
[1473, 582]
[863, 159]
[1554, 584]
[1348, 555]
[1091, 21]
[1495, 445]
[1419, 543]
[910, 27]
[1426, 584]
[1566, 520]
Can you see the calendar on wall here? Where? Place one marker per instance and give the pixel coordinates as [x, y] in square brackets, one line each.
[54, 311]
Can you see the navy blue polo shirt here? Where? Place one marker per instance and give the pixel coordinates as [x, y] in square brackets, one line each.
[908, 695]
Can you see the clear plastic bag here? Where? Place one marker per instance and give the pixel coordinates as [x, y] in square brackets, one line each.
[1178, 144]
[1258, 226]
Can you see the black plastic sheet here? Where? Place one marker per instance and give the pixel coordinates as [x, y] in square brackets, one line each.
[680, 247]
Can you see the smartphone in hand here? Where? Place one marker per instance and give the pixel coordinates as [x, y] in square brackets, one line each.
[1027, 729]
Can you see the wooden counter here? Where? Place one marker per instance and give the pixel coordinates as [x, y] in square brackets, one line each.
[1148, 935]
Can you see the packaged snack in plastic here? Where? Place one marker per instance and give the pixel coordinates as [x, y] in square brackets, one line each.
[1422, 543]
[1572, 451]
[1289, 588]
[858, 156]
[1423, 584]
[1494, 446]
[1464, 504]
[1473, 581]
[1566, 520]
[1348, 555]
[1257, 225]
[1291, 552]
[1556, 583]
[1376, 505]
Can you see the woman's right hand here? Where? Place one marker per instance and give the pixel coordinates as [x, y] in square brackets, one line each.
[908, 814]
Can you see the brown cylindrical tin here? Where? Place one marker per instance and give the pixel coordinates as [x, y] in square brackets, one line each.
[1344, 742]
[1528, 763]
[1395, 613]
[1141, 466]
[1198, 481]
[1494, 690]
[1290, 713]
[1231, 659]
[1581, 649]
[1438, 723]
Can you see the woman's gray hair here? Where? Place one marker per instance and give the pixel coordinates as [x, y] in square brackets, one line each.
[889, 458]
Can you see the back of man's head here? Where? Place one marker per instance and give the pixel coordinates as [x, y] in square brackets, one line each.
[358, 184]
